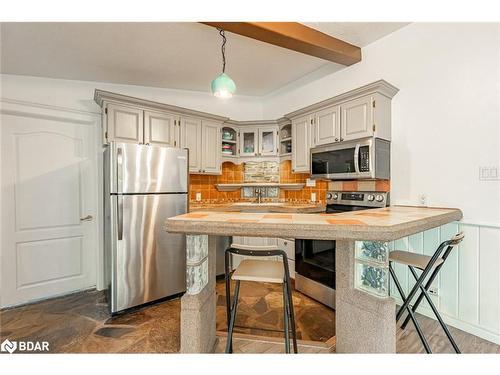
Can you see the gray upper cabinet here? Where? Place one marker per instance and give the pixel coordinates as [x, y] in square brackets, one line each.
[326, 126]
[301, 129]
[357, 118]
[124, 124]
[211, 147]
[359, 113]
[202, 138]
[248, 141]
[190, 138]
[159, 129]
[268, 141]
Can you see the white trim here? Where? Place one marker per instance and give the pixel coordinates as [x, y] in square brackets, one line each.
[460, 324]
[36, 300]
[16, 102]
[479, 224]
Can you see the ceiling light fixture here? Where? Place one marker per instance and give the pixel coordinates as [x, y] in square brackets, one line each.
[223, 86]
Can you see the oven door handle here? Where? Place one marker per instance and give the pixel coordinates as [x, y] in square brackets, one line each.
[356, 158]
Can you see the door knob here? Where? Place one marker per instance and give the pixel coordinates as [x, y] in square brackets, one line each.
[86, 218]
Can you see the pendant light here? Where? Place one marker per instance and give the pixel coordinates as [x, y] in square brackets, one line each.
[223, 86]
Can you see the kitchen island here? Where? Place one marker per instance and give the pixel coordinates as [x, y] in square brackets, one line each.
[365, 313]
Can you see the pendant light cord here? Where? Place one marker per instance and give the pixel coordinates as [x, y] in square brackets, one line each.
[223, 49]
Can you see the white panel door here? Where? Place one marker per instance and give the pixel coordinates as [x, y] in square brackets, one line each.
[125, 124]
[49, 195]
[159, 129]
[357, 118]
[191, 139]
[301, 144]
[327, 126]
[211, 146]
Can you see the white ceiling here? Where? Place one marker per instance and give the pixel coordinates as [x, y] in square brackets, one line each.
[170, 55]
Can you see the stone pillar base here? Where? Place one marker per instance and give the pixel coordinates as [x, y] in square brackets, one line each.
[364, 323]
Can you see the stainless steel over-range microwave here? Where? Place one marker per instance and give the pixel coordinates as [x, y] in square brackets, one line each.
[366, 158]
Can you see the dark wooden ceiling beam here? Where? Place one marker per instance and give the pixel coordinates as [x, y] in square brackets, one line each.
[297, 37]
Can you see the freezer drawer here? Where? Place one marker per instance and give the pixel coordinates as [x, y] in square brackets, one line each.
[148, 263]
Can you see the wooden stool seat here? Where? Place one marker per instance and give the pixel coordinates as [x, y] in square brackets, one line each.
[266, 271]
[411, 259]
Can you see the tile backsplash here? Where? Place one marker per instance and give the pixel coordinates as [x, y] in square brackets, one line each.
[264, 171]
[373, 185]
[271, 172]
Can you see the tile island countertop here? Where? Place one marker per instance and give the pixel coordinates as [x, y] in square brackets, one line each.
[364, 310]
[381, 224]
[279, 207]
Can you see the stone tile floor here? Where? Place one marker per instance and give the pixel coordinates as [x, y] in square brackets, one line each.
[79, 323]
[260, 312]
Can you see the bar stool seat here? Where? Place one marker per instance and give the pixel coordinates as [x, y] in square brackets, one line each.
[265, 271]
[271, 271]
[411, 259]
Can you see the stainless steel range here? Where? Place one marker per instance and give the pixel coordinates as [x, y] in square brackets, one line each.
[315, 259]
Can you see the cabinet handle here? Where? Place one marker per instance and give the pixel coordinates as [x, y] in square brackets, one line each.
[341, 139]
[336, 139]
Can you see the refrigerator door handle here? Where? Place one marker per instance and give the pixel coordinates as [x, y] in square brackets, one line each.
[119, 169]
[120, 217]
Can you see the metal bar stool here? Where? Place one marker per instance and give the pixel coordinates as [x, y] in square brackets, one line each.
[426, 264]
[262, 271]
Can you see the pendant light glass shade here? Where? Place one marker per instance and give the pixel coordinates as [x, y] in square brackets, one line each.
[223, 86]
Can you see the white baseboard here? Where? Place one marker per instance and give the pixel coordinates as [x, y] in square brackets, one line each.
[457, 323]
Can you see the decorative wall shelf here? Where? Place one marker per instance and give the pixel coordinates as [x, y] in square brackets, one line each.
[234, 187]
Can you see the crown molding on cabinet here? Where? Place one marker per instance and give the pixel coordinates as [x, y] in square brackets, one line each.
[381, 86]
[101, 96]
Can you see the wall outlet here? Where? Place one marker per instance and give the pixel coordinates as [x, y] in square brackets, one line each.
[423, 199]
[313, 197]
[310, 183]
[490, 173]
[198, 197]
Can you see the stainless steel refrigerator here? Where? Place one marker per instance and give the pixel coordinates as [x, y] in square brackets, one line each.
[144, 185]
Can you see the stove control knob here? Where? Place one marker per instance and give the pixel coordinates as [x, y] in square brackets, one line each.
[335, 196]
[379, 198]
[328, 195]
[370, 197]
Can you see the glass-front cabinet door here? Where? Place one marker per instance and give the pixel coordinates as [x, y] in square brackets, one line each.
[268, 141]
[248, 142]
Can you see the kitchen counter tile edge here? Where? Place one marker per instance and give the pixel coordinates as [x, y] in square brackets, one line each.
[203, 225]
